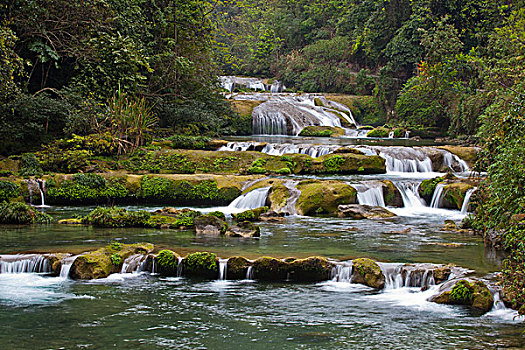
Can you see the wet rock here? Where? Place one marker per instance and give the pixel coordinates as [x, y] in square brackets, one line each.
[312, 269]
[323, 197]
[105, 261]
[237, 268]
[244, 229]
[348, 150]
[214, 145]
[367, 272]
[73, 221]
[166, 263]
[55, 261]
[401, 232]
[450, 225]
[358, 212]
[454, 195]
[391, 194]
[250, 215]
[272, 216]
[201, 264]
[271, 269]
[210, 225]
[468, 154]
[470, 292]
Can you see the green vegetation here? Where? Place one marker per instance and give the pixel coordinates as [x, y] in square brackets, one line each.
[321, 131]
[8, 190]
[21, 213]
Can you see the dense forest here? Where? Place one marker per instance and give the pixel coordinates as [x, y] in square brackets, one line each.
[130, 70]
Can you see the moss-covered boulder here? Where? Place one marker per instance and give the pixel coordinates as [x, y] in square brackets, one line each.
[210, 225]
[454, 195]
[323, 197]
[17, 213]
[427, 188]
[55, 261]
[367, 272]
[312, 269]
[270, 269]
[245, 229]
[380, 131]
[345, 163]
[278, 197]
[322, 131]
[250, 215]
[237, 268]
[359, 212]
[117, 217]
[469, 292]
[105, 261]
[166, 263]
[391, 194]
[201, 264]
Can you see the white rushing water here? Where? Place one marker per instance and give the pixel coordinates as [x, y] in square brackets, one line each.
[466, 200]
[290, 208]
[437, 197]
[223, 268]
[370, 194]
[251, 200]
[410, 194]
[24, 263]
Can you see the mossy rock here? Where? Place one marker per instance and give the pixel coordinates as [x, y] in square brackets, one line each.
[380, 131]
[201, 264]
[245, 229]
[346, 163]
[17, 213]
[427, 188]
[250, 214]
[468, 292]
[166, 263]
[73, 221]
[454, 195]
[55, 261]
[270, 269]
[244, 107]
[237, 268]
[105, 261]
[312, 269]
[278, 197]
[322, 131]
[367, 272]
[468, 154]
[210, 225]
[343, 150]
[359, 212]
[324, 197]
[391, 194]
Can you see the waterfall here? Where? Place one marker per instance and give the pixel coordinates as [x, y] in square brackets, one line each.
[249, 273]
[290, 208]
[437, 197]
[132, 264]
[251, 200]
[391, 135]
[342, 272]
[271, 123]
[24, 263]
[407, 134]
[66, 266]
[313, 151]
[41, 186]
[223, 267]
[466, 201]
[179, 267]
[370, 194]
[454, 162]
[399, 276]
[410, 194]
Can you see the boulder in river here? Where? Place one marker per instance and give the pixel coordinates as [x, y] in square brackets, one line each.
[237, 268]
[312, 269]
[201, 264]
[470, 292]
[244, 229]
[210, 225]
[358, 212]
[270, 269]
[323, 197]
[367, 272]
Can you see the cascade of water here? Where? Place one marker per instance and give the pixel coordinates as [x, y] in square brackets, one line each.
[410, 194]
[407, 134]
[132, 264]
[66, 266]
[313, 151]
[24, 263]
[251, 200]
[32, 185]
[290, 208]
[399, 276]
[391, 135]
[179, 267]
[454, 162]
[370, 194]
[342, 272]
[437, 197]
[249, 273]
[223, 267]
[466, 201]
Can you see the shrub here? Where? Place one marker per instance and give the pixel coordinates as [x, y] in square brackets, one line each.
[21, 213]
[167, 258]
[189, 142]
[117, 217]
[8, 190]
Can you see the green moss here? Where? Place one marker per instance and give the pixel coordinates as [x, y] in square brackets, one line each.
[462, 293]
[117, 217]
[454, 195]
[367, 272]
[167, 259]
[270, 269]
[21, 213]
[321, 131]
[256, 170]
[202, 264]
[284, 171]
[427, 188]
[250, 215]
[334, 163]
[116, 259]
[318, 197]
[381, 132]
[189, 142]
[9, 190]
